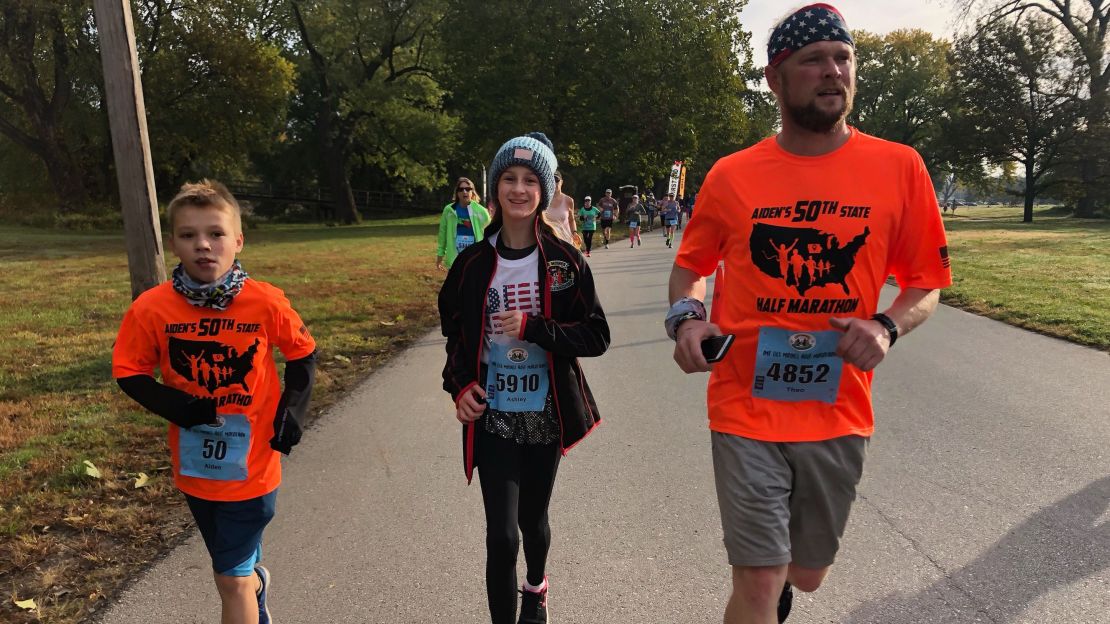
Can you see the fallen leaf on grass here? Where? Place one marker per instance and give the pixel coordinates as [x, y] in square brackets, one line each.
[28, 604]
[142, 480]
[343, 358]
[91, 470]
[387, 323]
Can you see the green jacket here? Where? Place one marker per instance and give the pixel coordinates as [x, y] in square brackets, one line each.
[448, 225]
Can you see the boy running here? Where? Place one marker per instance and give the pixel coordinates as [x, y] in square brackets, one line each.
[210, 332]
[589, 214]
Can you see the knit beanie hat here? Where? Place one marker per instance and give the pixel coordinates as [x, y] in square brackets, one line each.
[533, 150]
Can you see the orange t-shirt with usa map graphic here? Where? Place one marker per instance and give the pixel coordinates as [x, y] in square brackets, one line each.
[804, 239]
[224, 355]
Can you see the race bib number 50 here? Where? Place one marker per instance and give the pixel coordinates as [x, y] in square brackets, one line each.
[218, 451]
[795, 365]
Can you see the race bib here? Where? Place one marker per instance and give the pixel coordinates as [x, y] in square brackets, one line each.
[218, 451]
[606, 214]
[792, 365]
[633, 224]
[517, 380]
[462, 241]
[672, 221]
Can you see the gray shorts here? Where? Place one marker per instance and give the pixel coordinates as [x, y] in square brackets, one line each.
[784, 502]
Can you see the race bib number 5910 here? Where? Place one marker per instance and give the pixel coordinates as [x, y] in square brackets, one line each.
[795, 365]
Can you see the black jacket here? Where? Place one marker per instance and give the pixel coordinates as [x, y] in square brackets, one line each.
[571, 325]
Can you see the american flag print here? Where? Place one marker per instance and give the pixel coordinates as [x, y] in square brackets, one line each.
[523, 296]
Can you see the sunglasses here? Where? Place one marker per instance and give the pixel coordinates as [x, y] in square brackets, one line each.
[463, 189]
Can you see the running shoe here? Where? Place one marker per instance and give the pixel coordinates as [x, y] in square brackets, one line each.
[533, 605]
[786, 600]
[263, 608]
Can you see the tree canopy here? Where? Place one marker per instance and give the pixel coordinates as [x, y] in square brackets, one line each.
[403, 95]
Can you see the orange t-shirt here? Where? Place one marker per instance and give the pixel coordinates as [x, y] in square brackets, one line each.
[804, 239]
[225, 355]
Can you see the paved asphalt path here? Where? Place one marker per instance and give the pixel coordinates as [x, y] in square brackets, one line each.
[985, 496]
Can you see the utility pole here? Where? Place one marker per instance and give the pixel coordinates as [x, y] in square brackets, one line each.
[127, 118]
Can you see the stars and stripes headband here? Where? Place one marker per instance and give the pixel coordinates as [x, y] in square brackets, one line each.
[809, 24]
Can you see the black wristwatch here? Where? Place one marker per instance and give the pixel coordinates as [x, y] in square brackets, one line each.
[891, 327]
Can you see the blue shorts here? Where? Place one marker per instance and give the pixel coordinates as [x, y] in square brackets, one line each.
[232, 531]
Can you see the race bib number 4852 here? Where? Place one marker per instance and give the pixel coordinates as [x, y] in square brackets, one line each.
[793, 365]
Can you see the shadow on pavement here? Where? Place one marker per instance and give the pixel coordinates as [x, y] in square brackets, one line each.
[1055, 547]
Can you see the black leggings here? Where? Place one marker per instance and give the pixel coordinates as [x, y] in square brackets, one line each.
[588, 238]
[516, 481]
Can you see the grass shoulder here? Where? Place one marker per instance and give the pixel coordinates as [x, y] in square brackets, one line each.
[1051, 276]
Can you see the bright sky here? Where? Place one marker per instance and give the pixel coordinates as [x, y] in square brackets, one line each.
[877, 16]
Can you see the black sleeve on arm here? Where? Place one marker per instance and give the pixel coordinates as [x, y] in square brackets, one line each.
[180, 408]
[300, 375]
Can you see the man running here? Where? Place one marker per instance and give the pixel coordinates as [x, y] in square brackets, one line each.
[610, 211]
[790, 404]
[651, 205]
[669, 214]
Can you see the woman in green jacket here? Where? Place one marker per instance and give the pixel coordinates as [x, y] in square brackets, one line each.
[461, 225]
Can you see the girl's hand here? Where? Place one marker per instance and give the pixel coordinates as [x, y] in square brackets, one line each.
[511, 322]
[471, 405]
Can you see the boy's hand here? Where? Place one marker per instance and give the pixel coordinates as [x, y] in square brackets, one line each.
[287, 433]
[196, 412]
[471, 405]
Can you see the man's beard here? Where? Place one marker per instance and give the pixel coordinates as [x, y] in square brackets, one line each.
[812, 118]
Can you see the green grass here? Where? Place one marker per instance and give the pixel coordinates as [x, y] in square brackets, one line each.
[1051, 276]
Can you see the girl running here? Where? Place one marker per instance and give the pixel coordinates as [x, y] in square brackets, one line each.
[589, 214]
[518, 310]
[560, 214]
[635, 212]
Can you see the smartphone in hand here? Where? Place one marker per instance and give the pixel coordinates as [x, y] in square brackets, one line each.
[715, 347]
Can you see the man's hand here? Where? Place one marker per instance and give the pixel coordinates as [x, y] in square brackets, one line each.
[687, 346]
[439, 263]
[471, 405]
[864, 343]
[511, 322]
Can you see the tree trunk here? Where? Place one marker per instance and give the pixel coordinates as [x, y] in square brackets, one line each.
[65, 176]
[333, 148]
[1094, 148]
[342, 198]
